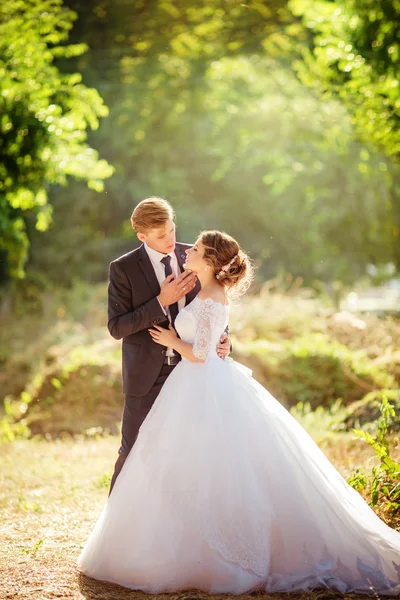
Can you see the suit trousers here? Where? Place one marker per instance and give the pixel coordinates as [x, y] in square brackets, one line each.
[136, 409]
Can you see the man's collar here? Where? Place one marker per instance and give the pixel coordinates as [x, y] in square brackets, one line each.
[156, 256]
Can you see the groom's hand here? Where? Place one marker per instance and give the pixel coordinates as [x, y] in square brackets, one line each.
[224, 346]
[173, 290]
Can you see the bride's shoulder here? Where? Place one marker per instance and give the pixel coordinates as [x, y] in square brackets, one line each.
[206, 307]
[212, 298]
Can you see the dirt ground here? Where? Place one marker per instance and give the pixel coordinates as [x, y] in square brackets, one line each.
[51, 494]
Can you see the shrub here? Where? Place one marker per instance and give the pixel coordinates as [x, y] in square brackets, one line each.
[313, 369]
[383, 483]
[74, 390]
[367, 412]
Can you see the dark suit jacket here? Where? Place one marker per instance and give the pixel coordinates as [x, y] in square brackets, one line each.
[133, 307]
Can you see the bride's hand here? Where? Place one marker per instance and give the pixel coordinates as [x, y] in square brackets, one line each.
[164, 337]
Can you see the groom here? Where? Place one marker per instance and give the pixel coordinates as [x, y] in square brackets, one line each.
[148, 287]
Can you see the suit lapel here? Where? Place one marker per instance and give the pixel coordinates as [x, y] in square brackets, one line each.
[181, 257]
[148, 271]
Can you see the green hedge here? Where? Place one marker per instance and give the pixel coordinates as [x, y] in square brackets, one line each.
[313, 369]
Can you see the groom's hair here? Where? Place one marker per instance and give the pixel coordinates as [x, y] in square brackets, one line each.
[151, 213]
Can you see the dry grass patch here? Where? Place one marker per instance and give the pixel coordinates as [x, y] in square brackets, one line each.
[51, 494]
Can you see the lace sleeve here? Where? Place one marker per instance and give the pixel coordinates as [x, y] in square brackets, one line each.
[209, 317]
[202, 340]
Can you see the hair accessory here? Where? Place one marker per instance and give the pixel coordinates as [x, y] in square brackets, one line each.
[226, 267]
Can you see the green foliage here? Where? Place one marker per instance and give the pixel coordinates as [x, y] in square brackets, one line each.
[33, 549]
[304, 206]
[314, 369]
[320, 422]
[104, 481]
[73, 391]
[199, 32]
[60, 370]
[27, 293]
[44, 115]
[384, 481]
[75, 387]
[355, 54]
[206, 110]
[11, 426]
[367, 412]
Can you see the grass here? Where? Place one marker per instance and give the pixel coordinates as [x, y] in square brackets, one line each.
[51, 493]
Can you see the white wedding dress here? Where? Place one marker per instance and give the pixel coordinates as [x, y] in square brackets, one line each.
[225, 492]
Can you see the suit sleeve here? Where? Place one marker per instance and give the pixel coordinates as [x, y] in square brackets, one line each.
[122, 320]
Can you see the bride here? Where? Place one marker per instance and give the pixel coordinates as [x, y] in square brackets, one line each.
[223, 490]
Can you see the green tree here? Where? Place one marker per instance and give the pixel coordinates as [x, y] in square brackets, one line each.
[205, 110]
[354, 53]
[242, 155]
[44, 116]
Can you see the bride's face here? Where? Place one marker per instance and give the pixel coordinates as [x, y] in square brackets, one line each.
[195, 258]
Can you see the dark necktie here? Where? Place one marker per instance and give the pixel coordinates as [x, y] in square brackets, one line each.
[173, 308]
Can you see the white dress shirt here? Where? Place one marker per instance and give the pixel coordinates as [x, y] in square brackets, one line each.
[159, 269]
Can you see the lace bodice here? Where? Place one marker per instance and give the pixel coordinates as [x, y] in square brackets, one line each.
[201, 323]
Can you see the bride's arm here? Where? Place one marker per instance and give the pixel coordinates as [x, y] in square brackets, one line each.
[185, 349]
[169, 338]
[205, 313]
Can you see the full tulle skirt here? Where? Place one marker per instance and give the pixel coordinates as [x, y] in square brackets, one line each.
[225, 492]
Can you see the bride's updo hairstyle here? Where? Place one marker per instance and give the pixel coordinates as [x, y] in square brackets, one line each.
[231, 265]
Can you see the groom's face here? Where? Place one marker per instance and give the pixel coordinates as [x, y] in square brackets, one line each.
[161, 238]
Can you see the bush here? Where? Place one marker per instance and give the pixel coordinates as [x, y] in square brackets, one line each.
[313, 369]
[77, 389]
[366, 413]
[28, 330]
[383, 483]
[87, 399]
[379, 338]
